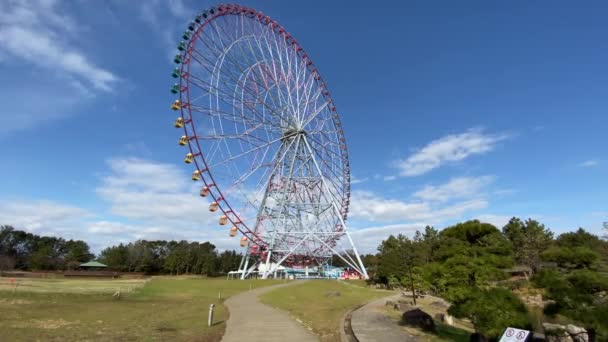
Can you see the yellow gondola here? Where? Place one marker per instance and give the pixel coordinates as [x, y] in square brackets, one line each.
[189, 158]
[204, 191]
[243, 241]
[233, 231]
[176, 105]
[179, 123]
[213, 206]
[196, 175]
[183, 140]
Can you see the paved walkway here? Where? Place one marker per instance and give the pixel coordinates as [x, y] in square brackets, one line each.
[370, 324]
[252, 321]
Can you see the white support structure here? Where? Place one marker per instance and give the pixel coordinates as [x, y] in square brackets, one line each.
[300, 226]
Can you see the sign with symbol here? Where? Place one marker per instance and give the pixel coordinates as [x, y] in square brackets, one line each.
[514, 335]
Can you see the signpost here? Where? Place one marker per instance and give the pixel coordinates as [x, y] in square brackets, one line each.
[514, 335]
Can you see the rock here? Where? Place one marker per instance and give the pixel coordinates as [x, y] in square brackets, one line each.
[553, 338]
[389, 303]
[444, 318]
[550, 327]
[402, 307]
[440, 304]
[556, 333]
[449, 320]
[534, 300]
[578, 334]
[419, 319]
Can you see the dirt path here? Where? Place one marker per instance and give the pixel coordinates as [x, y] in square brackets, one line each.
[253, 321]
[370, 324]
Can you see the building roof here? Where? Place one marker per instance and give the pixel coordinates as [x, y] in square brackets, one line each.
[93, 264]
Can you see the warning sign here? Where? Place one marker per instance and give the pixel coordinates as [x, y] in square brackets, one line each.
[514, 335]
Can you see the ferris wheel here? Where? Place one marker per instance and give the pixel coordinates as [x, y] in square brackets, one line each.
[265, 139]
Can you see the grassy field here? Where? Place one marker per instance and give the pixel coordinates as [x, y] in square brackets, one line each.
[63, 285]
[162, 309]
[321, 304]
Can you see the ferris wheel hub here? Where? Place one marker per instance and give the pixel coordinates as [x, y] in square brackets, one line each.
[292, 133]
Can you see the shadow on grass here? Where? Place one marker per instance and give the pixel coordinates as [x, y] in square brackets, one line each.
[452, 333]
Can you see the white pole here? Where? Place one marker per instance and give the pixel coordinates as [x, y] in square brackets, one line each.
[210, 317]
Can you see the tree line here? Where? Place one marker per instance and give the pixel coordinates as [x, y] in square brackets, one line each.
[26, 251]
[170, 257]
[20, 250]
[470, 264]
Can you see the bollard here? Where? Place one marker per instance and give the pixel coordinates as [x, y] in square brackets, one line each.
[210, 320]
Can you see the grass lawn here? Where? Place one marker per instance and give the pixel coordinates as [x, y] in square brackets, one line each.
[162, 309]
[321, 304]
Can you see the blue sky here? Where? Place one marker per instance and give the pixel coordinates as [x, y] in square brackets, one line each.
[452, 111]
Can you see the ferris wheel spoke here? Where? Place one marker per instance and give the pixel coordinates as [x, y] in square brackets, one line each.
[246, 152]
[232, 78]
[241, 69]
[248, 104]
[219, 114]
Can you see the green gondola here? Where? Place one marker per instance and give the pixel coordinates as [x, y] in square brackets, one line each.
[175, 88]
[177, 59]
[175, 73]
[181, 46]
[186, 35]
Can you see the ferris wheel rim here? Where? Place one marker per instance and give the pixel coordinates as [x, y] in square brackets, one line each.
[194, 146]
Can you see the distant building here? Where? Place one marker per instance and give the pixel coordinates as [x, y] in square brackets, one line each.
[93, 266]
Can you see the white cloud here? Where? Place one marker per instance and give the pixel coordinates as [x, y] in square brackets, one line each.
[389, 178]
[167, 27]
[456, 210]
[371, 207]
[111, 228]
[152, 11]
[43, 217]
[589, 163]
[498, 221]
[149, 11]
[147, 200]
[34, 32]
[355, 180]
[178, 9]
[153, 200]
[460, 187]
[432, 205]
[367, 239]
[142, 189]
[451, 148]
